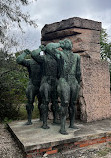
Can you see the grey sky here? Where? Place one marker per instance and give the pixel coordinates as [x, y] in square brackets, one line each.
[49, 11]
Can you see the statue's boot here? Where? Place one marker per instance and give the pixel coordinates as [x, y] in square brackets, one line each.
[55, 110]
[63, 122]
[72, 116]
[63, 112]
[29, 108]
[45, 116]
[41, 117]
[39, 107]
[40, 112]
[56, 121]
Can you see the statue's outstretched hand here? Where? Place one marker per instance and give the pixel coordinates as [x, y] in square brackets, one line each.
[61, 43]
[27, 51]
[42, 47]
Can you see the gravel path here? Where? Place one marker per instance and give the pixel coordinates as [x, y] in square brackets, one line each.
[9, 149]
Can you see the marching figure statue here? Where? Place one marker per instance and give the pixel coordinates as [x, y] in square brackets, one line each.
[35, 74]
[55, 74]
[69, 80]
[48, 88]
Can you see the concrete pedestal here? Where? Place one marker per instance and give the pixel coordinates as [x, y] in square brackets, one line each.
[36, 141]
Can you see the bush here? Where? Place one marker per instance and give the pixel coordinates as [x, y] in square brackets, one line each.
[13, 82]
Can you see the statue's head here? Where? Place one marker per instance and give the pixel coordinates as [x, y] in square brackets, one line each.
[49, 49]
[66, 44]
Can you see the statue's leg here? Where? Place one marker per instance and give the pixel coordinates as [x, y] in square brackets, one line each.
[72, 104]
[30, 93]
[55, 106]
[64, 92]
[45, 94]
[39, 106]
[63, 112]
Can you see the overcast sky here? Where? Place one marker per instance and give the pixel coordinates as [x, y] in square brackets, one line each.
[50, 11]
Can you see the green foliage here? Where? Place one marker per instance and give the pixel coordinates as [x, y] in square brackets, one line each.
[104, 152]
[13, 82]
[105, 46]
[13, 16]
[105, 49]
[6, 120]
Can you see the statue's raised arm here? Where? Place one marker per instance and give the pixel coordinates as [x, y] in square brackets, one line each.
[52, 49]
[35, 54]
[21, 58]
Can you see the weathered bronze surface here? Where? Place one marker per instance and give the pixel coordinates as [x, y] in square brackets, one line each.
[69, 80]
[48, 88]
[57, 74]
[35, 74]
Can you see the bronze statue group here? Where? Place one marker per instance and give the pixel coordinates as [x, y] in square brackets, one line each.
[56, 74]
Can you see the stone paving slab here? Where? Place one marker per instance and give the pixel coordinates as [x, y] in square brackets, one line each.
[34, 137]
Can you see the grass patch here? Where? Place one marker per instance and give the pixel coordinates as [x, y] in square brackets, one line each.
[23, 112]
[6, 120]
[104, 152]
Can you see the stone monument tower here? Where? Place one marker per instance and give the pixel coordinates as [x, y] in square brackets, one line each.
[94, 98]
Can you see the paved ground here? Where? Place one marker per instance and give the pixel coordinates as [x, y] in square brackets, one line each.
[9, 149]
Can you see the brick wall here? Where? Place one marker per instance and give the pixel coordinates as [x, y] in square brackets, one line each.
[67, 146]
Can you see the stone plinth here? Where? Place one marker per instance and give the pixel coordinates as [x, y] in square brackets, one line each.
[95, 91]
[94, 98]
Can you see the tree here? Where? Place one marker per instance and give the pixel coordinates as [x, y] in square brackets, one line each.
[105, 46]
[13, 78]
[105, 49]
[12, 16]
[13, 81]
